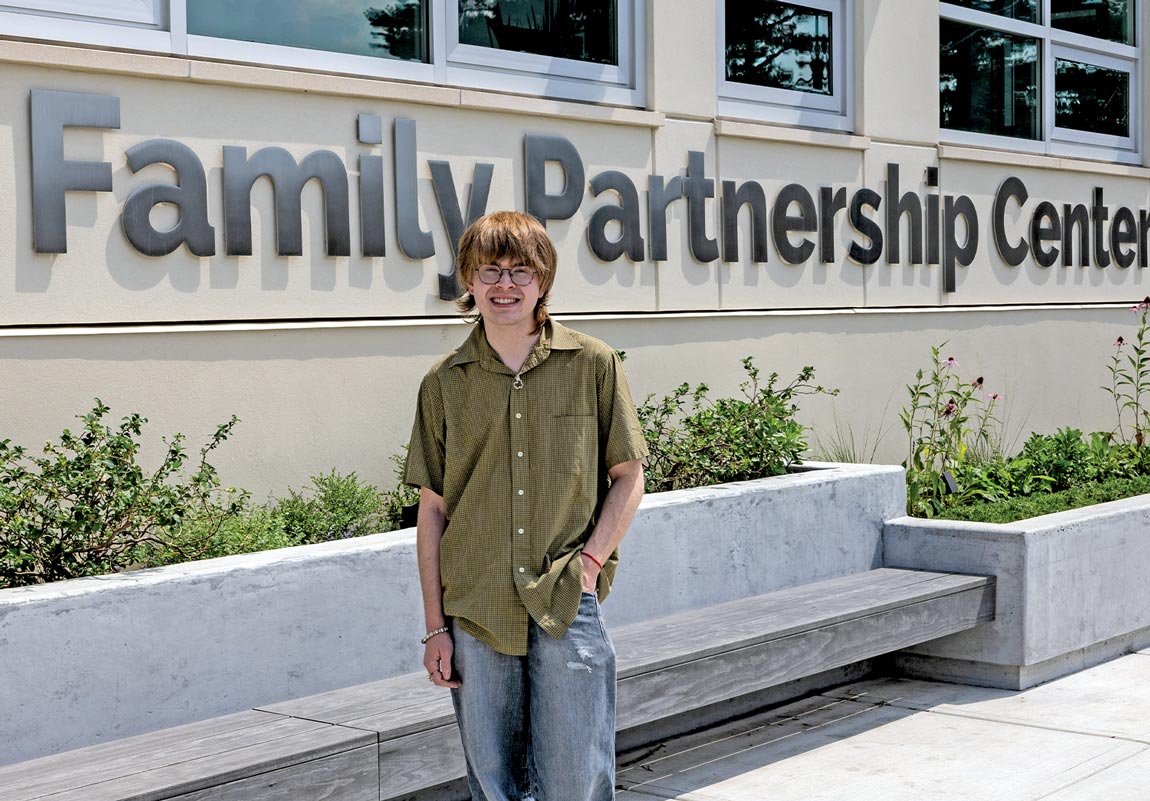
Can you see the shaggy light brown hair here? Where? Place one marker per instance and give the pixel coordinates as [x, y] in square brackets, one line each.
[503, 234]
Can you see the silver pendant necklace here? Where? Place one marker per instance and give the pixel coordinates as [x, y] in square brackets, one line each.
[517, 382]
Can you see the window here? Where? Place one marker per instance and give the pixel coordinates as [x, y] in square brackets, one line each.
[1053, 76]
[397, 31]
[578, 31]
[145, 12]
[588, 46]
[575, 49]
[786, 61]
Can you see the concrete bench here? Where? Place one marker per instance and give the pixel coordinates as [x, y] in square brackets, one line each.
[396, 738]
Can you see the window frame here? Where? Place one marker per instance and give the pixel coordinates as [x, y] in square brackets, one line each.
[1054, 44]
[505, 70]
[27, 22]
[138, 12]
[451, 63]
[790, 106]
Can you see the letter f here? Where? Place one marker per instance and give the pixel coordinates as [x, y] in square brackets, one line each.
[52, 175]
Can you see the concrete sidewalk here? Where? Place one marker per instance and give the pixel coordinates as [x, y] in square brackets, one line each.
[1085, 737]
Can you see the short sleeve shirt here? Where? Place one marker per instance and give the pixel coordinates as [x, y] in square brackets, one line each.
[521, 463]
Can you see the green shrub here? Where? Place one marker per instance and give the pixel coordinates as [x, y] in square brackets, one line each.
[252, 528]
[339, 506]
[1130, 381]
[87, 507]
[1063, 456]
[1021, 508]
[997, 480]
[400, 502]
[694, 441]
[950, 430]
[334, 507]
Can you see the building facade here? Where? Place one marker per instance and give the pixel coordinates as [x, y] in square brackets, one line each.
[216, 208]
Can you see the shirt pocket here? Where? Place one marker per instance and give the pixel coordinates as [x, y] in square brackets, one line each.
[571, 443]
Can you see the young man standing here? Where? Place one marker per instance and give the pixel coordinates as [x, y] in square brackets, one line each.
[527, 452]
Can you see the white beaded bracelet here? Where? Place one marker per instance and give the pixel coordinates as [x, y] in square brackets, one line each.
[430, 634]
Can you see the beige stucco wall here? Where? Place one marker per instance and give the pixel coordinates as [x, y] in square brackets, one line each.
[340, 393]
[312, 398]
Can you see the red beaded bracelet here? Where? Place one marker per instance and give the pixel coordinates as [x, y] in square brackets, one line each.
[593, 559]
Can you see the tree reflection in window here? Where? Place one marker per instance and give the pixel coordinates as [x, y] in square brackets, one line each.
[1091, 98]
[1024, 10]
[779, 45]
[396, 30]
[583, 30]
[1105, 19]
[400, 29]
[988, 81]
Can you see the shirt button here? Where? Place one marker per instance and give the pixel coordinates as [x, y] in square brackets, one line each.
[521, 570]
[520, 492]
[520, 454]
[520, 531]
[517, 415]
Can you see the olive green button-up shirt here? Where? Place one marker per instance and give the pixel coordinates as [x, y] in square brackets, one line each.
[521, 463]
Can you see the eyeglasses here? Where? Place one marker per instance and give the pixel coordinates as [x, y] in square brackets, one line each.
[520, 276]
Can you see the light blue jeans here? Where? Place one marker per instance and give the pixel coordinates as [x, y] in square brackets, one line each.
[540, 726]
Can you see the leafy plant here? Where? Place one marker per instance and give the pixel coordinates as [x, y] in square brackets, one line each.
[253, 528]
[336, 506]
[949, 428]
[1062, 456]
[1008, 510]
[87, 506]
[398, 503]
[694, 441]
[339, 506]
[1130, 381]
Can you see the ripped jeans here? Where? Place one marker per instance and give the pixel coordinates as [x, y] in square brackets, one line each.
[540, 726]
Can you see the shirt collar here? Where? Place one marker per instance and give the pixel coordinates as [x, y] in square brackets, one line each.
[477, 349]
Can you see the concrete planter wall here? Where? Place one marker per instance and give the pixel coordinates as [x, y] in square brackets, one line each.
[1073, 590]
[90, 660]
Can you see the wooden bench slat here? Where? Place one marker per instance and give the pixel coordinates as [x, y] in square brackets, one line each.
[425, 759]
[346, 776]
[178, 760]
[653, 695]
[392, 708]
[644, 647]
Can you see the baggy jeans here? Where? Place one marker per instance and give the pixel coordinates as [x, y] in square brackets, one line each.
[540, 726]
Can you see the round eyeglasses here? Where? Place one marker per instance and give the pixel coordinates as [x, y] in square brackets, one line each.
[520, 276]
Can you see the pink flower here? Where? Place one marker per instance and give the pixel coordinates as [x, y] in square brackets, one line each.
[949, 361]
[1145, 304]
[949, 410]
[1119, 342]
[994, 396]
[977, 383]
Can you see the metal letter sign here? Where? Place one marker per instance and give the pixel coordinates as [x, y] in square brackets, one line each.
[413, 240]
[288, 179]
[627, 214]
[538, 149]
[803, 223]
[52, 175]
[189, 195]
[373, 241]
[444, 185]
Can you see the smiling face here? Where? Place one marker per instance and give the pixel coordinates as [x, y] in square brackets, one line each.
[503, 303]
[506, 239]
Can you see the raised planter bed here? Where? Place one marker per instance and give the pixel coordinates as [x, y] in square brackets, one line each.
[97, 659]
[1073, 590]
